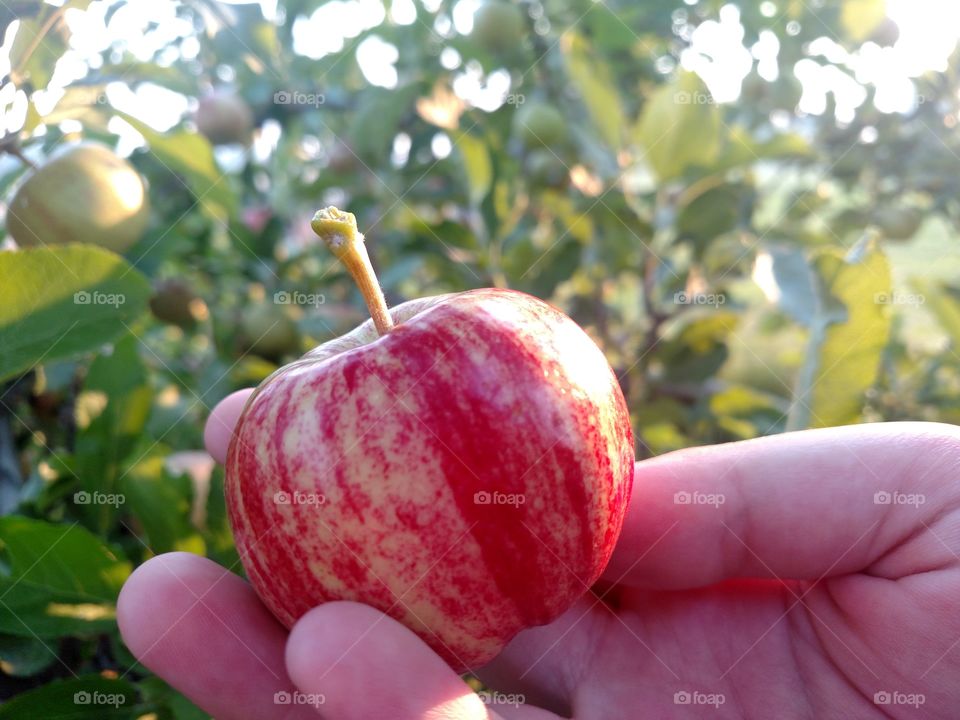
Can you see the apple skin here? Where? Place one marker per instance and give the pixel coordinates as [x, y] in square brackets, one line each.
[480, 392]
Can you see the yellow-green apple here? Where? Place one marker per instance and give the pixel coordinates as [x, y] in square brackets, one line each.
[174, 302]
[87, 194]
[898, 222]
[460, 462]
[538, 124]
[498, 26]
[267, 330]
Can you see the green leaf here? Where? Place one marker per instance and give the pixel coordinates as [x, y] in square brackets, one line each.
[571, 220]
[783, 145]
[60, 301]
[662, 437]
[796, 282]
[745, 413]
[594, 81]
[147, 487]
[700, 348]
[476, 166]
[79, 102]
[89, 697]
[375, 123]
[218, 536]
[24, 656]
[156, 692]
[714, 212]
[56, 580]
[113, 410]
[849, 332]
[944, 306]
[613, 30]
[742, 149]
[860, 18]
[34, 55]
[190, 156]
[680, 127]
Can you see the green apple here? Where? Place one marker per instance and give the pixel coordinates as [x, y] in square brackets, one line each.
[224, 118]
[498, 26]
[268, 331]
[538, 124]
[87, 195]
[898, 223]
[545, 169]
[174, 302]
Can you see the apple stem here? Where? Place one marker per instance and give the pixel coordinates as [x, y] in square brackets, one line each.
[338, 230]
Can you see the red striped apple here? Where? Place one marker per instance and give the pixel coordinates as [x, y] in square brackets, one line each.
[460, 462]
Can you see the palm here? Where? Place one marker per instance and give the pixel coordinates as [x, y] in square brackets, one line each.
[692, 619]
[734, 650]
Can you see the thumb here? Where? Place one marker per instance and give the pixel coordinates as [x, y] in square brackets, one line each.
[355, 662]
[222, 421]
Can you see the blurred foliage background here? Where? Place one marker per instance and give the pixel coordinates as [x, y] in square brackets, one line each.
[750, 206]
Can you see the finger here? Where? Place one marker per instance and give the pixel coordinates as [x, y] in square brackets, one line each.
[203, 630]
[543, 666]
[359, 663]
[801, 505]
[222, 421]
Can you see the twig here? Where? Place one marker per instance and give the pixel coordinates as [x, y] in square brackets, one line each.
[14, 149]
[10, 478]
[38, 38]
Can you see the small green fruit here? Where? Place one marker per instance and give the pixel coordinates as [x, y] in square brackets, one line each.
[753, 89]
[341, 158]
[86, 195]
[544, 169]
[540, 125]
[498, 26]
[224, 118]
[898, 223]
[173, 302]
[268, 331]
[786, 92]
[886, 34]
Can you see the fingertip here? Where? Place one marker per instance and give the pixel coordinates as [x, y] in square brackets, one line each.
[326, 635]
[223, 419]
[361, 664]
[204, 631]
[140, 593]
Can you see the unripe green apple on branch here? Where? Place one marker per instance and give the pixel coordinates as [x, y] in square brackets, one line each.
[460, 462]
[87, 194]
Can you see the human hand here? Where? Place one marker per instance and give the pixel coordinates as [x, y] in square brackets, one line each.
[812, 574]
